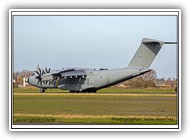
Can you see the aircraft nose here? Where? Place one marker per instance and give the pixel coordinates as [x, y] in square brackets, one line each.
[31, 80]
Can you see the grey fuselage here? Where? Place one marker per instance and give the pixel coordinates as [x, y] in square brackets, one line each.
[92, 80]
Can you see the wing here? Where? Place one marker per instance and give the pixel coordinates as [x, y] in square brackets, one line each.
[75, 73]
[63, 73]
[58, 72]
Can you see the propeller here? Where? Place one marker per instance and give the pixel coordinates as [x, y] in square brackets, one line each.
[39, 72]
[47, 70]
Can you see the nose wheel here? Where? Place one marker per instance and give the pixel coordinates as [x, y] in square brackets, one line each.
[42, 90]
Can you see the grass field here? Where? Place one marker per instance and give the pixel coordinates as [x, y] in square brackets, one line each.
[105, 90]
[105, 107]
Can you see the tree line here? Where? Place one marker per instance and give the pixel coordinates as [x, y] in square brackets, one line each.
[150, 79]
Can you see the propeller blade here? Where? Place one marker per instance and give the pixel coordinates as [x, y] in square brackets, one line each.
[39, 83]
[37, 72]
[40, 72]
[43, 72]
[47, 70]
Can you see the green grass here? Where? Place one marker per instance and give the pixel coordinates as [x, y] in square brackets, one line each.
[105, 90]
[122, 90]
[94, 108]
[35, 90]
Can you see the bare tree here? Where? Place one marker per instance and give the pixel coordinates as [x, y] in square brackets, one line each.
[18, 77]
[26, 73]
[143, 81]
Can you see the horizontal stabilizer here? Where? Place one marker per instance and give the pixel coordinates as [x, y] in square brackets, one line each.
[170, 42]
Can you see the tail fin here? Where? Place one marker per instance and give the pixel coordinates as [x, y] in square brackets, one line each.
[146, 53]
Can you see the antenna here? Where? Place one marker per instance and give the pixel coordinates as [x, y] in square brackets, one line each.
[38, 66]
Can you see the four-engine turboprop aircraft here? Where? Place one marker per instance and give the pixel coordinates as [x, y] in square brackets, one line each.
[90, 80]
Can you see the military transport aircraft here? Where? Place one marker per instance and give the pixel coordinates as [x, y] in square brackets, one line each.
[91, 80]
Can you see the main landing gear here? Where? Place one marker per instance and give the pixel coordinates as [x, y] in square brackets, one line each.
[84, 91]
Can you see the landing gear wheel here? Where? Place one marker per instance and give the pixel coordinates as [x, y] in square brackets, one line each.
[42, 90]
[74, 91]
[93, 91]
[89, 91]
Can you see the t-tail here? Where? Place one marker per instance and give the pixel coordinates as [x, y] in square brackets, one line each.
[146, 53]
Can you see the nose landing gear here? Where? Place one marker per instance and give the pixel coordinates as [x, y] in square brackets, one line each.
[42, 90]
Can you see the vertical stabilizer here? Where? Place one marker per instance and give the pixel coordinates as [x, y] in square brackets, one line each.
[146, 53]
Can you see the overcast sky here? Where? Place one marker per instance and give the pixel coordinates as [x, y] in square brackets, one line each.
[91, 41]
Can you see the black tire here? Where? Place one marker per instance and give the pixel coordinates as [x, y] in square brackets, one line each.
[42, 90]
[90, 91]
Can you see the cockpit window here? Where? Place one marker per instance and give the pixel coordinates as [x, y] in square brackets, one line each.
[33, 74]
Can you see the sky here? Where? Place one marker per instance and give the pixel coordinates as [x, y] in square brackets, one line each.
[91, 41]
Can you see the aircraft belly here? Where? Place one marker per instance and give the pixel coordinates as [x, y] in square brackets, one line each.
[121, 75]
